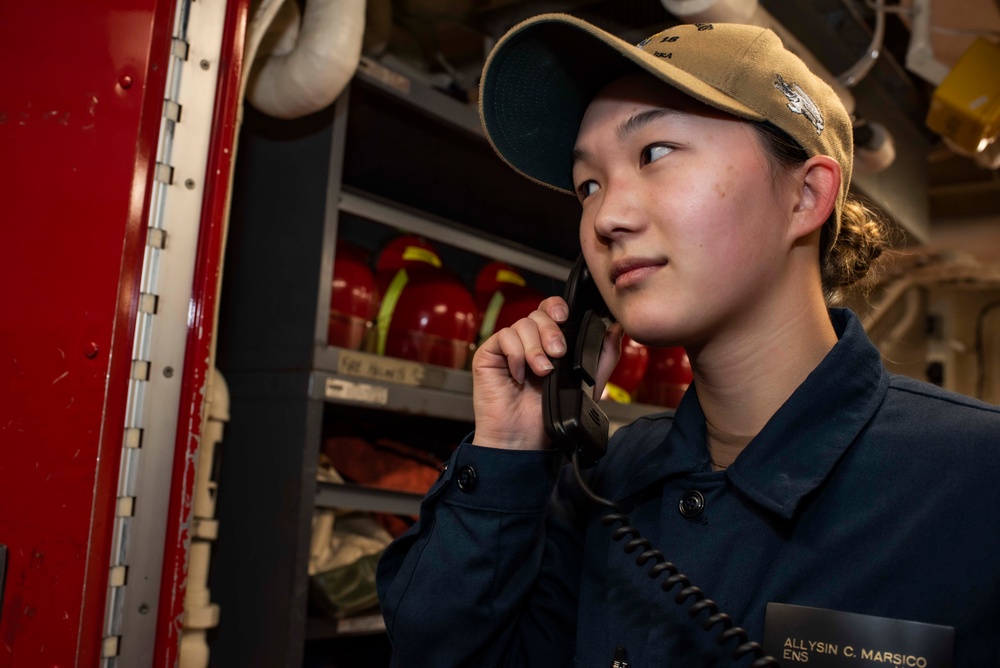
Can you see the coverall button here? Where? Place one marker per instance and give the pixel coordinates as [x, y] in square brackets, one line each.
[692, 503]
[466, 478]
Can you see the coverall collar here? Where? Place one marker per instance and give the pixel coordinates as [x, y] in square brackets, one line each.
[801, 443]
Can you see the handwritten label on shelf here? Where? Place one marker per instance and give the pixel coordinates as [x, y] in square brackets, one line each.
[385, 75]
[380, 368]
[337, 388]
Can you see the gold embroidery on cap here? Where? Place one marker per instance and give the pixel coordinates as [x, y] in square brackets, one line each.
[668, 38]
[800, 102]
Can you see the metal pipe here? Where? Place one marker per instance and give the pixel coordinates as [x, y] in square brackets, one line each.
[860, 69]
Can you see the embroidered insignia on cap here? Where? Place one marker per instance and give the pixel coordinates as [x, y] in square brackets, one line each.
[668, 38]
[800, 102]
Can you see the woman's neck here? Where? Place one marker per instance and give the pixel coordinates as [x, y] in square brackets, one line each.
[743, 377]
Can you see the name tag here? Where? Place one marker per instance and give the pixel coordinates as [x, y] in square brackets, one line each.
[796, 635]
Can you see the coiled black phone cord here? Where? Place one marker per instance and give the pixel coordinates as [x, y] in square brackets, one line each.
[729, 630]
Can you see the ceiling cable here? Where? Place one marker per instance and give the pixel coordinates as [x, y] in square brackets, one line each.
[878, 5]
[861, 68]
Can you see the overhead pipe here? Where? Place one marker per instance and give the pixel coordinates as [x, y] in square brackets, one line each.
[912, 310]
[920, 58]
[874, 148]
[303, 62]
[860, 69]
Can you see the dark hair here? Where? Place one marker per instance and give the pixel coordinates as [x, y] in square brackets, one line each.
[863, 233]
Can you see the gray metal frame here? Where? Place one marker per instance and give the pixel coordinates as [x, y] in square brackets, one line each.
[283, 376]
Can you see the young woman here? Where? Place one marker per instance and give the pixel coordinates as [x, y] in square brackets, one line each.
[712, 168]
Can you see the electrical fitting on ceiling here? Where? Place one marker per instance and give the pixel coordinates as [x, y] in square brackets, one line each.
[965, 108]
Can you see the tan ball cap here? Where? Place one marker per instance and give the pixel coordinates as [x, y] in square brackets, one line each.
[543, 73]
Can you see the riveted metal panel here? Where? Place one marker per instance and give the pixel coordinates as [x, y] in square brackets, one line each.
[79, 119]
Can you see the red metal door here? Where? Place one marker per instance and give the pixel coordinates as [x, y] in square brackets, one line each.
[80, 114]
[80, 111]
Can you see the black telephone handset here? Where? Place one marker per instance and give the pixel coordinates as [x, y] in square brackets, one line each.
[573, 421]
[578, 427]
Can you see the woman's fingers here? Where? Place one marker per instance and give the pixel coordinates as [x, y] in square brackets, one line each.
[554, 307]
[547, 317]
[511, 346]
[531, 342]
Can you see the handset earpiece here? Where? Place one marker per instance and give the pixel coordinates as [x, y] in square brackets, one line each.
[573, 420]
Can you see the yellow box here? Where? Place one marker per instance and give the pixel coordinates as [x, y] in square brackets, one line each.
[966, 106]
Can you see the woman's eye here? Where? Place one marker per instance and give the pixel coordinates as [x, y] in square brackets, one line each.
[654, 152]
[586, 189]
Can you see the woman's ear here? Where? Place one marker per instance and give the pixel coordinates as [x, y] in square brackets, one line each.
[819, 184]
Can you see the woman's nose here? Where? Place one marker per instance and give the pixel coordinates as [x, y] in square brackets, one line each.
[620, 211]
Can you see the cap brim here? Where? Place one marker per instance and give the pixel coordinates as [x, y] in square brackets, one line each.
[541, 76]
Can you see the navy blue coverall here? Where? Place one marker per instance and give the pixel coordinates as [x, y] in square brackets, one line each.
[866, 492]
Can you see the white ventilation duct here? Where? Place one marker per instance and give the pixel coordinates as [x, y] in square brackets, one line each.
[303, 63]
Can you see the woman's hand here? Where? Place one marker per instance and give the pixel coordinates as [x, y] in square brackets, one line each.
[507, 373]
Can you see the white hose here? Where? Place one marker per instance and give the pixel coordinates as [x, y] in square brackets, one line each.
[327, 47]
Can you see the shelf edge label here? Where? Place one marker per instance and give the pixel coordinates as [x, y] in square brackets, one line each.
[384, 75]
[337, 388]
[386, 369]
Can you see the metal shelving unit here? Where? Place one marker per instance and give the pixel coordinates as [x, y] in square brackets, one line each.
[361, 497]
[390, 154]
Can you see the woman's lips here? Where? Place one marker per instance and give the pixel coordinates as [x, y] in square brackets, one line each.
[628, 273]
